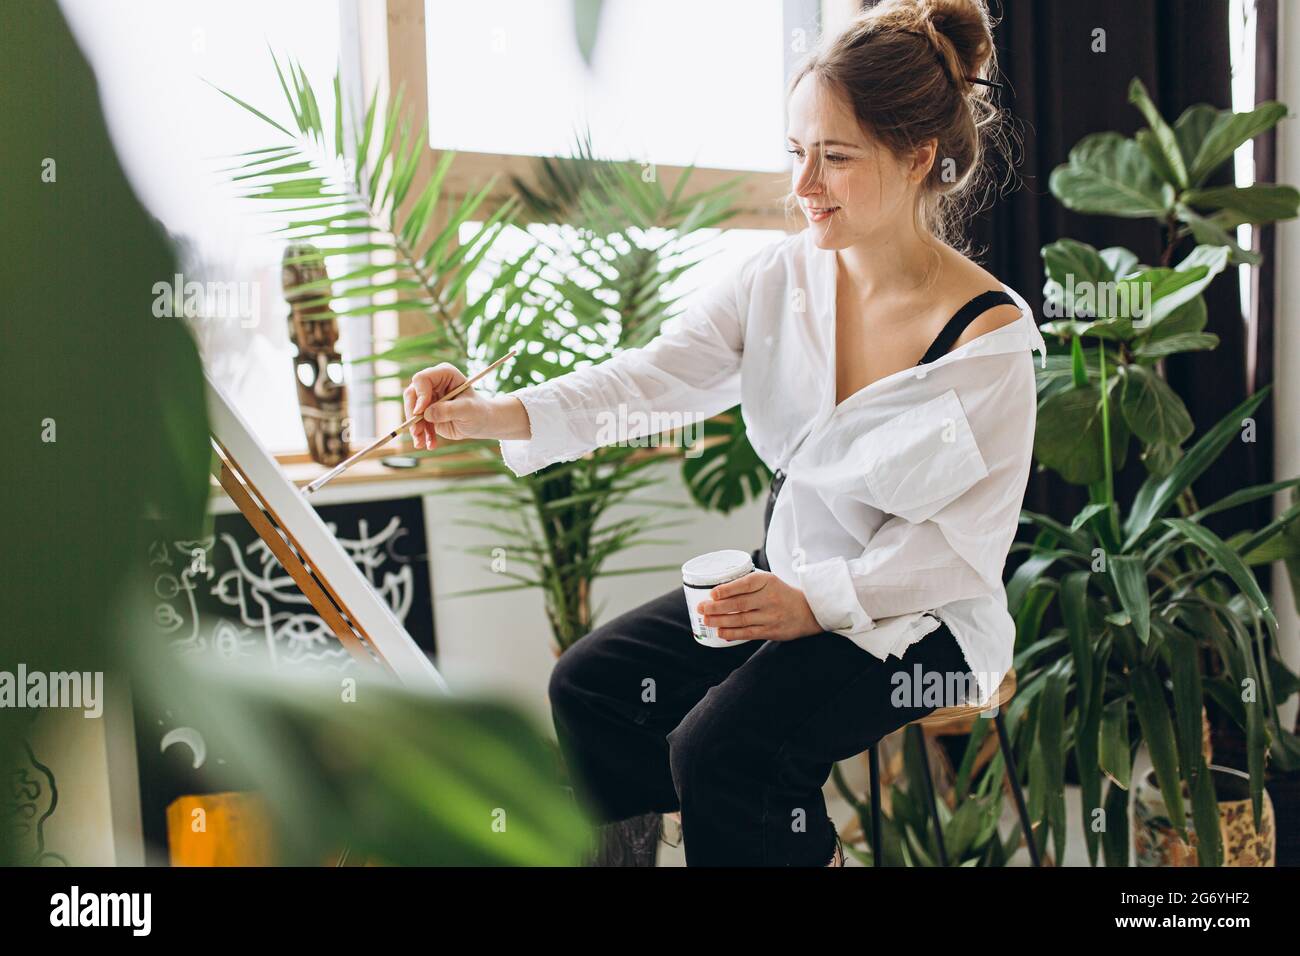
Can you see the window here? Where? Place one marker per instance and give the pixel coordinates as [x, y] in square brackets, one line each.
[502, 82]
[671, 83]
[154, 60]
[674, 82]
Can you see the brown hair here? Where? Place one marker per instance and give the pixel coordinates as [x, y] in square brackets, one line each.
[908, 69]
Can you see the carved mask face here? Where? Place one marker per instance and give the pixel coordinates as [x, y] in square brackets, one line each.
[318, 367]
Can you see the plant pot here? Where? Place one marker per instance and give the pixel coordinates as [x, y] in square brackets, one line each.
[1157, 843]
[1284, 788]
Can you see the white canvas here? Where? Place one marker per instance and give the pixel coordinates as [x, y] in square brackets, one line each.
[321, 551]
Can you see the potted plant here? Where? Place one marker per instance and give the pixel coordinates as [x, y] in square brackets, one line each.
[1160, 615]
[1156, 843]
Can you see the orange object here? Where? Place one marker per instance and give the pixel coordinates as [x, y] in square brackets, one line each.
[220, 829]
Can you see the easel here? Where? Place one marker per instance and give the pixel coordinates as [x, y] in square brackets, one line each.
[313, 557]
[336, 590]
[263, 519]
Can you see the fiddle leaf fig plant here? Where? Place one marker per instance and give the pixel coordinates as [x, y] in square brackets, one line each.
[1161, 173]
[1160, 615]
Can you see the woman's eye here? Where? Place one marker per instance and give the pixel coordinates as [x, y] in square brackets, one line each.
[835, 158]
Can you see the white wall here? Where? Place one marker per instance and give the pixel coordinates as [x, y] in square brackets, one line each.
[1286, 393]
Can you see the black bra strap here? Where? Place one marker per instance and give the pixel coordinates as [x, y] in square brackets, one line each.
[965, 315]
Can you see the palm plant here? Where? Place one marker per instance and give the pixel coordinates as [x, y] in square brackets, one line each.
[726, 471]
[561, 301]
[1160, 614]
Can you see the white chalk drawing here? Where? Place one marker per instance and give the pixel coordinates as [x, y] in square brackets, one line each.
[265, 619]
[191, 738]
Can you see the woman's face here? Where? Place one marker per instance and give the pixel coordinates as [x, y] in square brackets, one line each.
[868, 192]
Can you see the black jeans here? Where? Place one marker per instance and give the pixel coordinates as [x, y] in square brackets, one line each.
[740, 739]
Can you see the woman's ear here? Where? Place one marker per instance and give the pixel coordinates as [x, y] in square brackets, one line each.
[923, 159]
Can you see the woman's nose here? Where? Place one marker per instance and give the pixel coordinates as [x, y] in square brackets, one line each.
[806, 180]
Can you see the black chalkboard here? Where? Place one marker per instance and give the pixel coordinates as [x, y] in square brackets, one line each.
[228, 597]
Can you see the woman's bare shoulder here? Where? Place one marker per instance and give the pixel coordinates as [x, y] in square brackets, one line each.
[968, 280]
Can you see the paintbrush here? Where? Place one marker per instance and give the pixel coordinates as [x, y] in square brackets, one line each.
[379, 442]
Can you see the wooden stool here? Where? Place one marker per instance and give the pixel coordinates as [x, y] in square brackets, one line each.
[940, 718]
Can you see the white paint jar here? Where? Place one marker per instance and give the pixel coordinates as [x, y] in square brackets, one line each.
[702, 574]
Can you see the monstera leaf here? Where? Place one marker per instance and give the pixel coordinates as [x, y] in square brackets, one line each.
[729, 472]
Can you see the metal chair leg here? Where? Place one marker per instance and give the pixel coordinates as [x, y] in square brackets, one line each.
[919, 735]
[1005, 743]
[877, 851]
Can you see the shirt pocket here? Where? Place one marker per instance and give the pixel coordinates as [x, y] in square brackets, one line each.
[922, 459]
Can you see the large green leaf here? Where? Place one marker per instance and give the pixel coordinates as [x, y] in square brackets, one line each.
[726, 474]
[1257, 203]
[1162, 146]
[1068, 437]
[1051, 747]
[1207, 137]
[1119, 260]
[1187, 319]
[1158, 492]
[1115, 752]
[1130, 576]
[397, 777]
[1115, 840]
[1175, 344]
[1152, 409]
[103, 416]
[1109, 174]
[1158, 732]
[1210, 230]
[1228, 560]
[1074, 610]
[1070, 264]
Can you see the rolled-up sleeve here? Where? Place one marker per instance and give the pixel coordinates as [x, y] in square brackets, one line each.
[689, 372]
[955, 553]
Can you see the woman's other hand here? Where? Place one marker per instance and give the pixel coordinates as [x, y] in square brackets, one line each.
[759, 606]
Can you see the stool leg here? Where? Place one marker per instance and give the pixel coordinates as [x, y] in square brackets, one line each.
[873, 762]
[1005, 743]
[930, 793]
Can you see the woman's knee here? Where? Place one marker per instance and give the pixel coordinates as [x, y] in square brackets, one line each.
[706, 740]
[583, 670]
[570, 674]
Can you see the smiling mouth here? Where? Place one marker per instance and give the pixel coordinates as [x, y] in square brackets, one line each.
[820, 212]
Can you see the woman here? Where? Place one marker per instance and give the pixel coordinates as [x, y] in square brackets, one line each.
[897, 482]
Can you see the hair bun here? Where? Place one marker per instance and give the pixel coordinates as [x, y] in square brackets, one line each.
[958, 30]
[962, 27]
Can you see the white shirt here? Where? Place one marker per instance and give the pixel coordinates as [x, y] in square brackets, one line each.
[899, 505]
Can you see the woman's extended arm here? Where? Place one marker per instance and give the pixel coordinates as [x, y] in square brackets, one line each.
[686, 374]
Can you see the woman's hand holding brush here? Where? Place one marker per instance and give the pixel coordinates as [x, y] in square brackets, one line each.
[468, 415]
[447, 405]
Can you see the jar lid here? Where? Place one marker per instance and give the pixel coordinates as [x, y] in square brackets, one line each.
[716, 567]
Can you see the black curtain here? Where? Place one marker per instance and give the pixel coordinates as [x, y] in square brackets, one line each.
[1059, 89]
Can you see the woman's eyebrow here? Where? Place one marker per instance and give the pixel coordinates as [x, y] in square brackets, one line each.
[827, 142]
